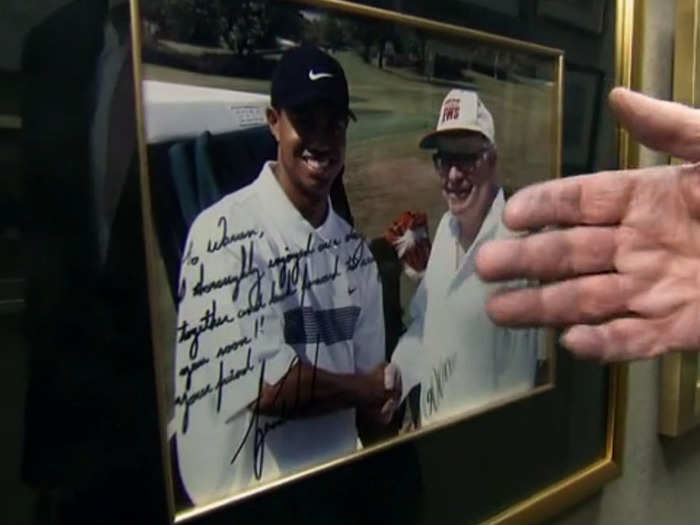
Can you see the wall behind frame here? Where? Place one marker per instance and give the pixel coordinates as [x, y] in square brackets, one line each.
[660, 477]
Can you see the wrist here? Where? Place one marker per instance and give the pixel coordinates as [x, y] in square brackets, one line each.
[357, 389]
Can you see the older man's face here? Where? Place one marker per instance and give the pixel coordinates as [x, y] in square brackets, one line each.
[466, 164]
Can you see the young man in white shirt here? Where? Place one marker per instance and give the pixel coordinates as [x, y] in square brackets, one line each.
[280, 341]
[451, 349]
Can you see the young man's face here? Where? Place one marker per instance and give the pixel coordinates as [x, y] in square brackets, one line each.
[466, 164]
[311, 147]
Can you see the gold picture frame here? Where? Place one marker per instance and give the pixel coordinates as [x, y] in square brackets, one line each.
[545, 503]
[679, 404]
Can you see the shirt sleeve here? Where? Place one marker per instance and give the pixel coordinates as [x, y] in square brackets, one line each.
[219, 351]
[408, 354]
[369, 334]
[224, 352]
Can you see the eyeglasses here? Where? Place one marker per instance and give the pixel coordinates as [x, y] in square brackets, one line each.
[464, 162]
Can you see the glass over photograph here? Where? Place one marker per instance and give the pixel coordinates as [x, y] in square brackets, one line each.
[320, 183]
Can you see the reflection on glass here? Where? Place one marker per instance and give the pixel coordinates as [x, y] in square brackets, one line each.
[292, 339]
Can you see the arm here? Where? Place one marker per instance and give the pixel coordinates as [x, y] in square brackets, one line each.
[306, 390]
[373, 419]
[408, 354]
[217, 365]
[210, 339]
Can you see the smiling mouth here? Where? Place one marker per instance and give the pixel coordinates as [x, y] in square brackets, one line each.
[460, 193]
[317, 162]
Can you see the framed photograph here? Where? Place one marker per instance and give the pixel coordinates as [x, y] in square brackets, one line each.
[316, 180]
[679, 406]
[583, 14]
[582, 101]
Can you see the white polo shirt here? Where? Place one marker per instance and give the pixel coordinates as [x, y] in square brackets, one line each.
[451, 348]
[260, 288]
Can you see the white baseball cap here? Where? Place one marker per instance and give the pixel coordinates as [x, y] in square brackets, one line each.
[461, 111]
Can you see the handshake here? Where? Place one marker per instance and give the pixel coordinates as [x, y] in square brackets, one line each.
[379, 393]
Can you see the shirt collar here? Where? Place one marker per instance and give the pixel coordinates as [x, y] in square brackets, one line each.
[285, 214]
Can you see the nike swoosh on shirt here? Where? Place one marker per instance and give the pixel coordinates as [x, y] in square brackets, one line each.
[315, 76]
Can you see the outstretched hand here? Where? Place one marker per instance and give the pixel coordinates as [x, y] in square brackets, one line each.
[618, 252]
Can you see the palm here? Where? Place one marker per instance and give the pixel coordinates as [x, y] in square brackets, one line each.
[659, 256]
[625, 274]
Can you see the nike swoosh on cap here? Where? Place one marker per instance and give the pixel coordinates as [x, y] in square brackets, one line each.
[315, 76]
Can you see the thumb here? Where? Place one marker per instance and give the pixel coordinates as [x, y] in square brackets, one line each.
[388, 410]
[392, 376]
[668, 127]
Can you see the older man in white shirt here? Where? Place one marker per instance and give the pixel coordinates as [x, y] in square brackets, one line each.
[451, 349]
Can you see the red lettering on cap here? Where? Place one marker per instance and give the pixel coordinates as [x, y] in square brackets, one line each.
[450, 110]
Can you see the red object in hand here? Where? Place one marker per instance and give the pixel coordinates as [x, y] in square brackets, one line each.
[409, 237]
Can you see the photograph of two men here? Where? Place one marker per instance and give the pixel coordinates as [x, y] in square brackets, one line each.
[320, 186]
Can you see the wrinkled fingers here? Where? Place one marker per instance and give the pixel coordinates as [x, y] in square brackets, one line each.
[550, 255]
[584, 300]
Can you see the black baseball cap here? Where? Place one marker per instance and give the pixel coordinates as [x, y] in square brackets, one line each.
[306, 74]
